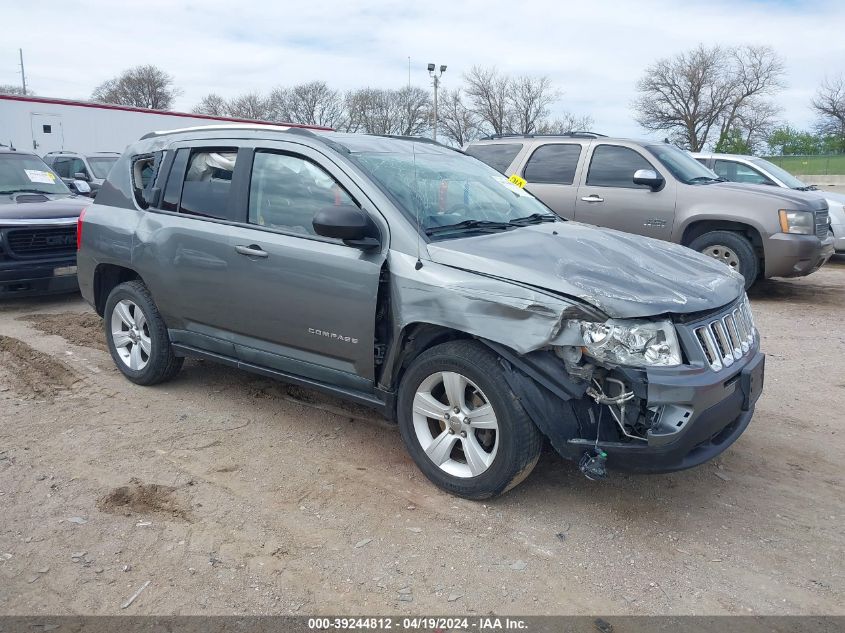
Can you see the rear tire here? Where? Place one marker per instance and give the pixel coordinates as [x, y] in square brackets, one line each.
[731, 249]
[462, 424]
[137, 336]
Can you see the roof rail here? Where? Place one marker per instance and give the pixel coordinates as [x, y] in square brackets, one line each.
[573, 134]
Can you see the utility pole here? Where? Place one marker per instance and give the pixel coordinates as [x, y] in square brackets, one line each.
[23, 73]
[436, 81]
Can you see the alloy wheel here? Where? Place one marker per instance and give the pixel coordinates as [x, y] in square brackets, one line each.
[455, 424]
[131, 334]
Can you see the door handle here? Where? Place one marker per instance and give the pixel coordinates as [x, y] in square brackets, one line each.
[253, 250]
[593, 198]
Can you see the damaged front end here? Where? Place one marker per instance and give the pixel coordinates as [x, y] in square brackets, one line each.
[641, 394]
[646, 396]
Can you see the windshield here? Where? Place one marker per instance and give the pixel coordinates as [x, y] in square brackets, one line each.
[778, 172]
[446, 189]
[682, 165]
[101, 165]
[27, 173]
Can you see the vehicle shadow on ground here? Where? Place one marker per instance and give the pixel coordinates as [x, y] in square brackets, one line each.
[812, 290]
[8, 304]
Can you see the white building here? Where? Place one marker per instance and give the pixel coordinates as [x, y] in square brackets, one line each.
[44, 125]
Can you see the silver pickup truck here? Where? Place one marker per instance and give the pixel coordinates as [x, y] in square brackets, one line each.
[660, 191]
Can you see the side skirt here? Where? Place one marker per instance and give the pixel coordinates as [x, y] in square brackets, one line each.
[381, 404]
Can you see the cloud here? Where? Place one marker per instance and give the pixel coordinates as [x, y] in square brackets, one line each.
[593, 51]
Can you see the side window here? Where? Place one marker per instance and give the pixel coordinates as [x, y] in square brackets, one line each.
[208, 182]
[144, 169]
[77, 167]
[745, 173]
[553, 163]
[287, 191]
[703, 161]
[497, 155]
[62, 167]
[725, 169]
[614, 166]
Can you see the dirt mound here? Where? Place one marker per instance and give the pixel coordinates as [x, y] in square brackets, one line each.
[143, 498]
[30, 373]
[84, 329]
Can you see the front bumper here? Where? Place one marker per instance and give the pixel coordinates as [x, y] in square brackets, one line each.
[789, 255]
[838, 237]
[707, 411]
[26, 278]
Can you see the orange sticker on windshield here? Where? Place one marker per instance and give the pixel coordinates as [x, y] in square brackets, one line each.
[519, 182]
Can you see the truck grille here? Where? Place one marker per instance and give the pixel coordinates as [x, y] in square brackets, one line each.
[821, 224]
[43, 242]
[728, 337]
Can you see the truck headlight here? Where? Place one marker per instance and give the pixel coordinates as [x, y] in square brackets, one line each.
[635, 342]
[800, 222]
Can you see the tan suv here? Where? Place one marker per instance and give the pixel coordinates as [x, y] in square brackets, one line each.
[660, 191]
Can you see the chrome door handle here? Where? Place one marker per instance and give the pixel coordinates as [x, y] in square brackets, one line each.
[593, 198]
[253, 250]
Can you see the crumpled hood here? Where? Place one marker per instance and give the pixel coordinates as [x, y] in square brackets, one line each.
[65, 207]
[623, 275]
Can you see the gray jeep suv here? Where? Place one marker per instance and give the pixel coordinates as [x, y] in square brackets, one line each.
[657, 190]
[412, 278]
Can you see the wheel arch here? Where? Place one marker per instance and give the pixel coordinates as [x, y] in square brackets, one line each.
[697, 228]
[106, 278]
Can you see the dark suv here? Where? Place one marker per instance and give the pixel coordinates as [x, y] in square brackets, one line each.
[38, 216]
[410, 277]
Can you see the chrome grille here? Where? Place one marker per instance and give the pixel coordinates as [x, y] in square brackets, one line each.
[727, 338]
[821, 224]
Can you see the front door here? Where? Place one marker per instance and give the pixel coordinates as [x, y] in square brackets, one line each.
[47, 134]
[302, 303]
[608, 196]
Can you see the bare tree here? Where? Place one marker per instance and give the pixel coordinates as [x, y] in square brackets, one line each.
[529, 99]
[251, 105]
[212, 104]
[829, 104]
[414, 108]
[488, 92]
[704, 91]
[9, 89]
[312, 103]
[457, 122]
[141, 87]
[566, 123]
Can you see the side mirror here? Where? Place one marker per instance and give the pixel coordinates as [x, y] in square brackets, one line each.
[81, 175]
[81, 187]
[348, 223]
[649, 178]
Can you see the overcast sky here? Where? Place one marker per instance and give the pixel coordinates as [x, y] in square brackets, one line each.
[594, 51]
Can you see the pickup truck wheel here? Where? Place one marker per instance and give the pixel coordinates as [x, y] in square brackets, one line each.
[137, 336]
[462, 424]
[731, 249]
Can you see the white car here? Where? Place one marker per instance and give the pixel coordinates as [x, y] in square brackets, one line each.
[757, 171]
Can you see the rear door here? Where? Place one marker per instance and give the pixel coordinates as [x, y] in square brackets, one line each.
[552, 173]
[608, 196]
[736, 171]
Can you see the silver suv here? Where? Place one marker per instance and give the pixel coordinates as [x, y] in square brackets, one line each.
[658, 190]
[409, 277]
[91, 168]
[759, 171]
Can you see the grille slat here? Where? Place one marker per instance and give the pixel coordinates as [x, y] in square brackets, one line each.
[821, 224]
[41, 242]
[727, 338]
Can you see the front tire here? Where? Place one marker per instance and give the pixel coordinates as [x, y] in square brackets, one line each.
[137, 336]
[462, 424]
[733, 250]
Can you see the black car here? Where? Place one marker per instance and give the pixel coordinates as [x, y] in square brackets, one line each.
[38, 217]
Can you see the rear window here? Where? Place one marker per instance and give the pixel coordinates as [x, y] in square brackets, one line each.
[554, 163]
[208, 182]
[498, 155]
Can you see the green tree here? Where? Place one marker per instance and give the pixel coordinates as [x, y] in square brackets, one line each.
[733, 142]
[786, 140]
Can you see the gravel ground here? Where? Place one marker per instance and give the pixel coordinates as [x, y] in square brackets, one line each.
[230, 493]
